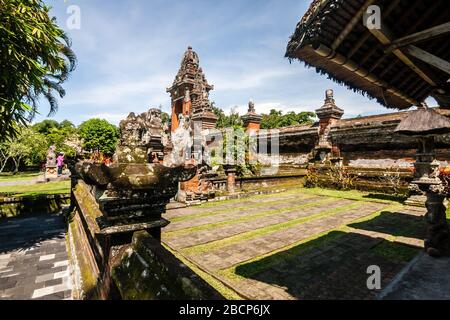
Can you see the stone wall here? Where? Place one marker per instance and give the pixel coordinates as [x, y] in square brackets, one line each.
[369, 148]
[147, 271]
[120, 263]
[362, 142]
[32, 205]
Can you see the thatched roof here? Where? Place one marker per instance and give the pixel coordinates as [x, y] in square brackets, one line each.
[424, 121]
[332, 38]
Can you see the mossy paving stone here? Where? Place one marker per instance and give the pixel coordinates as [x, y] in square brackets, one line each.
[345, 251]
[231, 204]
[230, 255]
[339, 272]
[221, 232]
[238, 212]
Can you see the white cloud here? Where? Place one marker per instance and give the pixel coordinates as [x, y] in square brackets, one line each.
[111, 117]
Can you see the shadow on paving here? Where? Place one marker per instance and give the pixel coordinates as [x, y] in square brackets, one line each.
[333, 266]
[395, 223]
[389, 197]
[21, 234]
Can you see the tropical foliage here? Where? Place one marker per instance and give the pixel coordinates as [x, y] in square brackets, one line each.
[35, 59]
[30, 145]
[232, 120]
[276, 119]
[99, 136]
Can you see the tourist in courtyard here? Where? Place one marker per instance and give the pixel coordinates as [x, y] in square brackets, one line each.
[60, 163]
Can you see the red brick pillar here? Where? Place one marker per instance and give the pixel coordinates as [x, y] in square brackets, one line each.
[230, 171]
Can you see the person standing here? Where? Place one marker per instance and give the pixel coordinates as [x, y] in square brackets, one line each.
[60, 163]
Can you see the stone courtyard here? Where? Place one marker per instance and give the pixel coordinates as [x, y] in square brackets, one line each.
[34, 263]
[298, 244]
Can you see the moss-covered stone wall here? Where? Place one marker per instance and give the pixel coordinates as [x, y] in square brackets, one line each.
[147, 271]
[32, 205]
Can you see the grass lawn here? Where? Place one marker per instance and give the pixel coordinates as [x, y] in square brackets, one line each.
[21, 176]
[36, 189]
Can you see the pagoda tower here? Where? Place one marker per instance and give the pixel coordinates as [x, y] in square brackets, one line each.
[190, 94]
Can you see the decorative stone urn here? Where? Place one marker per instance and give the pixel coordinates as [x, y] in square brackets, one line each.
[425, 124]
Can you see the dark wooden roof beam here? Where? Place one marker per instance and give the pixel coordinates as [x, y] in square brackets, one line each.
[427, 57]
[420, 36]
[384, 36]
[367, 34]
[352, 66]
[352, 23]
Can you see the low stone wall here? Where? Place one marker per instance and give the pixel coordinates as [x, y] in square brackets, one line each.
[31, 205]
[259, 183]
[381, 180]
[124, 264]
[147, 271]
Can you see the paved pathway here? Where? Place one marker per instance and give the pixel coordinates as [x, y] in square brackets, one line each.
[262, 247]
[425, 278]
[33, 259]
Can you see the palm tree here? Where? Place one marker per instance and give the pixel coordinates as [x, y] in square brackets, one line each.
[35, 59]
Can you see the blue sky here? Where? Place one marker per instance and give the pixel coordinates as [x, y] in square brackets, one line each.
[129, 53]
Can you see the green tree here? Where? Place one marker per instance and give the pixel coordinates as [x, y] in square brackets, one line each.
[99, 135]
[61, 135]
[35, 59]
[165, 118]
[28, 147]
[46, 126]
[276, 119]
[58, 138]
[66, 124]
[233, 120]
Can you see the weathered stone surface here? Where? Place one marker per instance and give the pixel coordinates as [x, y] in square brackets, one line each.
[33, 205]
[147, 271]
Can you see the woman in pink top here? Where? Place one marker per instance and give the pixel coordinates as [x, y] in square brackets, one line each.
[60, 163]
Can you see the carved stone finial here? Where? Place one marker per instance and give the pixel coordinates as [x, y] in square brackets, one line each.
[329, 110]
[329, 96]
[251, 106]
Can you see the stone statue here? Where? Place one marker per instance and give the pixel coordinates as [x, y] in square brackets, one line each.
[437, 241]
[51, 157]
[182, 142]
[251, 107]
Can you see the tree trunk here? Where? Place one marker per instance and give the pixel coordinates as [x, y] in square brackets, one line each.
[16, 165]
[3, 163]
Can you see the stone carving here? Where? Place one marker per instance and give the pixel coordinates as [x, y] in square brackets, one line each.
[182, 141]
[190, 93]
[251, 119]
[51, 157]
[50, 165]
[141, 138]
[437, 242]
[329, 96]
[328, 115]
[135, 188]
[425, 124]
[251, 107]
